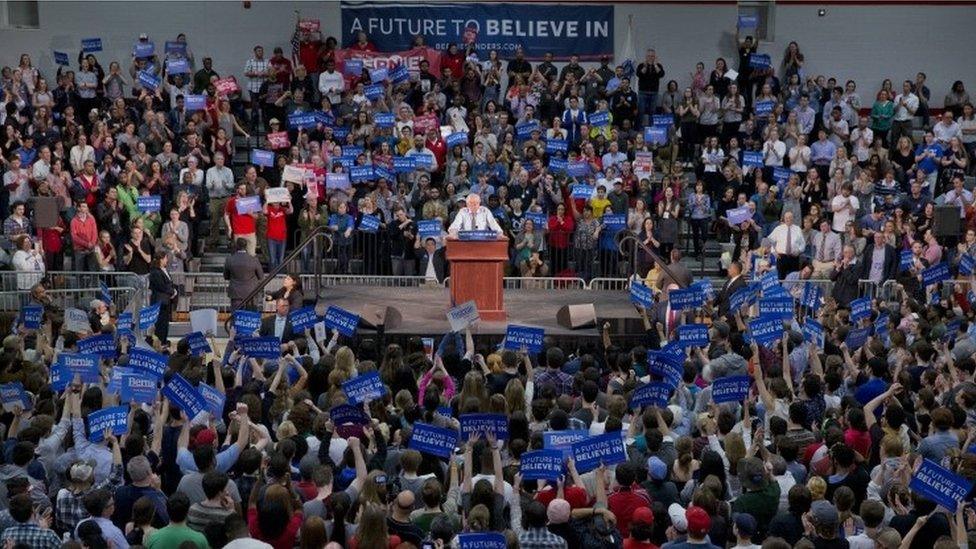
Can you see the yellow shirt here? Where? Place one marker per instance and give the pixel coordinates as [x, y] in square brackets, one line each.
[599, 205]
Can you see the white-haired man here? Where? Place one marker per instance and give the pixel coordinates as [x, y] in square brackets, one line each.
[474, 217]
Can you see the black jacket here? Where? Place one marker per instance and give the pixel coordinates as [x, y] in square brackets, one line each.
[891, 262]
[161, 287]
[440, 264]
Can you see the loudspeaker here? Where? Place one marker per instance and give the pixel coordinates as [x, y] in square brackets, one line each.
[946, 221]
[574, 317]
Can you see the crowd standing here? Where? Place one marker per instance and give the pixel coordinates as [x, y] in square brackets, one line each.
[835, 183]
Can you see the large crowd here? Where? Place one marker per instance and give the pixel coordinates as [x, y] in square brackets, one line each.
[137, 166]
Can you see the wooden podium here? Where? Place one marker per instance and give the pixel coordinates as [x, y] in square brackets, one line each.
[477, 270]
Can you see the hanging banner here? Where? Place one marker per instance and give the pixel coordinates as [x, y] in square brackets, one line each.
[378, 60]
[562, 29]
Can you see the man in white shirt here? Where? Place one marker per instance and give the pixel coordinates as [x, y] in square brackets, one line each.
[331, 83]
[774, 150]
[826, 249]
[81, 153]
[788, 244]
[613, 156]
[220, 185]
[805, 115]
[946, 129]
[844, 207]
[419, 149]
[958, 195]
[839, 130]
[474, 217]
[861, 138]
[42, 166]
[906, 103]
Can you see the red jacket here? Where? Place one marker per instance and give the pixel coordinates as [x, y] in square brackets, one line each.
[624, 502]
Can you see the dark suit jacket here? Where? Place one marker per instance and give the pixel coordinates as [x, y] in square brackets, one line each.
[682, 276]
[891, 261]
[440, 264]
[268, 329]
[160, 287]
[846, 284]
[728, 289]
[244, 273]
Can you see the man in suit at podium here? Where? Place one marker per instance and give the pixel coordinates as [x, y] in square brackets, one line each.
[474, 217]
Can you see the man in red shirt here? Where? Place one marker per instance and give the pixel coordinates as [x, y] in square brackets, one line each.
[281, 66]
[627, 498]
[242, 225]
[436, 144]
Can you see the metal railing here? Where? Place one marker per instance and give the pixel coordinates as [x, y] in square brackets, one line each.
[122, 297]
[609, 284]
[543, 283]
[9, 280]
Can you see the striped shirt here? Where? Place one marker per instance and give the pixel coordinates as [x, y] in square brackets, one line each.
[202, 515]
[256, 65]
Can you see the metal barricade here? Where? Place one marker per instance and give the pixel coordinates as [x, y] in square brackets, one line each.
[11, 301]
[867, 288]
[364, 280]
[543, 283]
[609, 284]
[10, 280]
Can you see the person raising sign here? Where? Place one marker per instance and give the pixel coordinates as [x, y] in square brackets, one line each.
[474, 217]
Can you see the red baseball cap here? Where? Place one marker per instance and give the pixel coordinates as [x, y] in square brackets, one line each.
[642, 515]
[205, 437]
[698, 521]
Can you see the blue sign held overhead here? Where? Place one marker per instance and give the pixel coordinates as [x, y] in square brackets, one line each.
[742, 297]
[61, 58]
[429, 228]
[178, 66]
[812, 297]
[215, 399]
[84, 366]
[482, 540]
[906, 260]
[374, 92]
[687, 298]
[198, 344]
[149, 80]
[195, 102]
[384, 119]
[641, 295]
[760, 61]
[457, 139]
[607, 449]
[940, 485]
[765, 330]
[404, 164]
[666, 366]
[935, 274]
[737, 216]
[731, 389]
[651, 394]
[364, 387]
[261, 347]
[529, 337]
[148, 316]
[599, 119]
[175, 47]
[138, 388]
[114, 419]
[352, 67]
[261, 157]
[813, 332]
[31, 316]
[151, 203]
[541, 465]
[143, 49]
[857, 337]
[656, 135]
[400, 74]
[860, 309]
[246, 322]
[582, 191]
[341, 320]
[693, 335]
[578, 169]
[303, 319]
[496, 424]
[358, 174]
[180, 392]
[148, 362]
[348, 413]
[91, 45]
[102, 345]
[748, 22]
[525, 129]
[379, 74]
[436, 441]
[776, 306]
[554, 146]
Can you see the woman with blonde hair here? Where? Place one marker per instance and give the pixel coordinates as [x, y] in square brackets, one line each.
[518, 398]
[346, 361]
[371, 531]
[475, 387]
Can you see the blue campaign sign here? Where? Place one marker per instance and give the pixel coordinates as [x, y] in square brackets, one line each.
[102, 345]
[148, 316]
[666, 366]
[881, 325]
[573, 29]
[369, 224]
[429, 228]
[400, 74]
[337, 181]
[60, 378]
[324, 118]
[966, 264]
[765, 330]
[61, 58]
[247, 204]
[195, 102]
[379, 74]
[781, 174]
[340, 132]
[538, 219]
[940, 485]
[404, 164]
[178, 66]
[935, 274]
[656, 135]
[860, 309]
[147, 361]
[457, 139]
[358, 174]
[261, 157]
[951, 328]
[687, 298]
[341, 320]
[607, 449]
[541, 465]
[303, 319]
[215, 399]
[374, 91]
[151, 203]
[143, 49]
[662, 120]
[641, 295]
[764, 108]
[261, 347]
[776, 306]
[91, 45]
[348, 413]
[384, 119]
[737, 216]
[614, 222]
[525, 129]
[13, 394]
[246, 322]
[138, 388]
[558, 165]
[381, 172]
[656, 393]
[482, 540]
[175, 47]
[704, 286]
[693, 335]
[731, 389]
[436, 441]
[577, 169]
[496, 424]
[812, 297]
[768, 280]
[477, 235]
[813, 332]
[517, 337]
[302, 120]
[31, 316]
[583, 191]
[554, 146]
[857, 337]
[563, 440]
[114, 419]
[106, 295]
[114, 386]
[599, 119]
[752, 159]
[776, 291]
[83, 365]
[748, 21]
[364, 387]
[198, 344]
[185, 396]
[149, 80]
[906, 260]
[742, 297]
[124, 323]
[759, 61]
[352, 67]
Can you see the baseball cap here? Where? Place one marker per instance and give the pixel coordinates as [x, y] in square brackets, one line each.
[643, 516]
[558, 511]
[204, 437]
[678, 519]
[698, 521]
[81, 471]
[745, 523]
[824, 513]
[658, 470]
